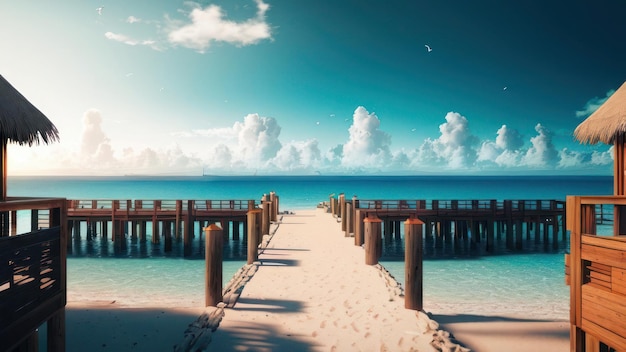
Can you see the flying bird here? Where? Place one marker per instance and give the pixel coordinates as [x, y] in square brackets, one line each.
[428, 47]
[99, 9]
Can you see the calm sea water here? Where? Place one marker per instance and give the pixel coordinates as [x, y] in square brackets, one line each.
[530, 283]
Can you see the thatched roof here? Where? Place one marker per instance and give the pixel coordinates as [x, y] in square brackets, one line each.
[20, 121]
[606, 122]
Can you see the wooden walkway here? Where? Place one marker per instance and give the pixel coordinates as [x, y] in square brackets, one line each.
[312, 291]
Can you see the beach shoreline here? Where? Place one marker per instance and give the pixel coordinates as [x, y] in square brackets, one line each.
[115, 325]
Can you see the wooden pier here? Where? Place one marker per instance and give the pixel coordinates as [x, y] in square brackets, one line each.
[167, 219]
[460, 220]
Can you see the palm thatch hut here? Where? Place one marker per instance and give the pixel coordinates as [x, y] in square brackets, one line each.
[22, 123]
[608, 125]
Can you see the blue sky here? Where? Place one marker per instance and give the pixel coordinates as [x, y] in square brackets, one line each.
[320, 87]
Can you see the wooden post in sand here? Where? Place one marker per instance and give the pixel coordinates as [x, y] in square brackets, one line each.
[265, 220]
[253, 233]
[413, 261]
[273, 206]
[342, 210]
[214, 247]
[372, 239]
[348, 220]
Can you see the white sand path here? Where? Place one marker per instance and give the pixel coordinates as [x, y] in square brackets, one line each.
[313, 292]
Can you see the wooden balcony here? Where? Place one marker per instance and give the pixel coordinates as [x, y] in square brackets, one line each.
[33, 273]
[595, 270]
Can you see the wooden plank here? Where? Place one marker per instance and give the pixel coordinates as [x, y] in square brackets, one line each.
[615, 341]
[596, 276]
[574, 225]
[601, 255]
[615, 242]
[605, 309]
[618, 281]
[601, 268]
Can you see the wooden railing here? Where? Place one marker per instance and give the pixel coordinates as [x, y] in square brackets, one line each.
[595, 269]
[462, 204]
[33, 273]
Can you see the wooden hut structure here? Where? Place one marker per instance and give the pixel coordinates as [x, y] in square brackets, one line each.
[33, 269]
[596, 265]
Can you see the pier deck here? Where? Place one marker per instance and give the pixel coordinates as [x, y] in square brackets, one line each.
[312, 291]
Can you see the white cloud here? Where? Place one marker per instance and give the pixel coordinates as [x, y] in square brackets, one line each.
[133, 19]
[298, 156]
[454, 147]
[129, 41]
[505, 151]
[542, 152]
[508, 139]
[367, 145]
[253, 145]
[593, 104]
[209, 25]
[257, 138]
[92, 136]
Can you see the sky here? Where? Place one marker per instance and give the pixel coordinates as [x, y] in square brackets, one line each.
[266, 87]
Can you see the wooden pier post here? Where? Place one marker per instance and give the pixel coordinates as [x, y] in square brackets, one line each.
[342, 211]
[253, 234]
[188, 229]
[358, 228]
[236, 232]
[167, 231]
[265, 220]
[214, 247]
[178, 222]
[373, 246]
[273, 207]
[348, 220]
[413, 264]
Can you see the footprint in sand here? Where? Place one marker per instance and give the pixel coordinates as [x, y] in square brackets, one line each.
[314, 334]
[323, 324]
[354, 327]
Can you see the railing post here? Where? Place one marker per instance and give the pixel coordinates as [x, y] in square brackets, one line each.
[188, 228]
[413, 264]
[214, 247]
[373, 245]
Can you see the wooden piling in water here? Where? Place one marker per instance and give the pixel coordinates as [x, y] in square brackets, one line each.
[214, 248]
[413, 264]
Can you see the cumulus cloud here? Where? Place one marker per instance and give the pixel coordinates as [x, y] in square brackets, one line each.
[542, 152]
[367, 145]
[257, 138]
[253, 144]
[298, 156]
[455, 146]
[593, 104]
[93, 137]
[505, 150]
[209, 25]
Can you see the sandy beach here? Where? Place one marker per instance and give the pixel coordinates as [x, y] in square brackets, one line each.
[309, 291]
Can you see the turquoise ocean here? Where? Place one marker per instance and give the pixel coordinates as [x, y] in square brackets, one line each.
[527, 283]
